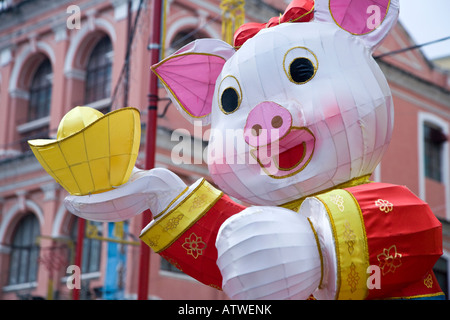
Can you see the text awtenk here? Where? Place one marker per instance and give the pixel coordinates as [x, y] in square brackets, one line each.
[250, 309]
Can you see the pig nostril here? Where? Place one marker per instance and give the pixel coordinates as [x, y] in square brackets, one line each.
[277, 122]
[256, 130]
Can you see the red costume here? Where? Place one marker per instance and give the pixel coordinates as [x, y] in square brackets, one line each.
[374, 224]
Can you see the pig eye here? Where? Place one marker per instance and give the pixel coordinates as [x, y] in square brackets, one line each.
[229, 100]
[300, 65]
[301, 70]
[230, 95]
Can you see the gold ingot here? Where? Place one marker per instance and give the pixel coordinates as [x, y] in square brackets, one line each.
[92, 152]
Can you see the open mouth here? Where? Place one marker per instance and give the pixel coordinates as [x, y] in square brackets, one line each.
[288, 155]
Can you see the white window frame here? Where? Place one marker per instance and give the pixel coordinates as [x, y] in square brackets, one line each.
[423, 118]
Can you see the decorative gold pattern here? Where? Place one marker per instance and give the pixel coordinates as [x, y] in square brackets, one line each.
[153, 241]
[194, 245]
[349, 237]
[428, 281]
[173, 222]
[338, 201]
[384, 205]
[198, 201]
[353, 278]
[389, 260]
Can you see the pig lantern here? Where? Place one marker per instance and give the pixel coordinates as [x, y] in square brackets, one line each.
[310, 115]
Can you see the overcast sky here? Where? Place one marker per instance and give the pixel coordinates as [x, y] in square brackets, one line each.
[427, 20]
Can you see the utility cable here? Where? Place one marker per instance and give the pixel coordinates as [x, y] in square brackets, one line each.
[411, 48]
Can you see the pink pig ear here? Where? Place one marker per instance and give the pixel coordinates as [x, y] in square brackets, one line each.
[369, 20]
[189, 76]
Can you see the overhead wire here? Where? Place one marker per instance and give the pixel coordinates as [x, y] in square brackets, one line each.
[411, 48]
[128, 52]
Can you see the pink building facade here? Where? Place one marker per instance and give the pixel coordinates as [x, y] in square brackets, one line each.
[71, 53]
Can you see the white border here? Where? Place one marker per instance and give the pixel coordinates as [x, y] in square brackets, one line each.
[433, 119]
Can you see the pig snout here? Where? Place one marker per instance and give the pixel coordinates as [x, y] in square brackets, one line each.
[266, 123]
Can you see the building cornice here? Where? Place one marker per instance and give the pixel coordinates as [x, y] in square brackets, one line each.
[409, 81]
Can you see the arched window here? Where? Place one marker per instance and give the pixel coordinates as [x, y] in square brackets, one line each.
[98, 72]
[23, 264]
[40, 92]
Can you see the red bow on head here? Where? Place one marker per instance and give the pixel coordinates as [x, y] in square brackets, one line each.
[297, 11]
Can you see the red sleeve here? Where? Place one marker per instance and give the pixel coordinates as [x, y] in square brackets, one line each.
[186, 235]
[404, 239]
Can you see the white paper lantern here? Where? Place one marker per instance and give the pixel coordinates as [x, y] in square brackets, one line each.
[268, 253]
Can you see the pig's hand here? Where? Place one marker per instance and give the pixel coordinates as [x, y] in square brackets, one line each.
[268, 253]
[154, 189]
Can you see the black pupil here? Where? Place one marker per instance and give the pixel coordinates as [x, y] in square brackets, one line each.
[301, 70]
[230, 100]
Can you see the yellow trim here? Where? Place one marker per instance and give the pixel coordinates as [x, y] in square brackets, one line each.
[92, 233]
[294, 205]
[171, 203]
[351, 243]
[418, 296]
[304, 15]
[164, 29]
[233, 16]
[173, 224]
[320, 252]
